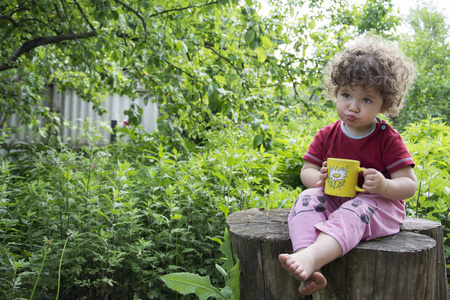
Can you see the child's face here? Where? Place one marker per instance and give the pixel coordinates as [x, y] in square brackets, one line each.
[358, 108]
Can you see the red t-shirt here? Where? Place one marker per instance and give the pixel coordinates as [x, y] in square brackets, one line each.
[383, 149]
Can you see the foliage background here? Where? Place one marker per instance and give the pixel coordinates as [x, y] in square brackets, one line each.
[240, 98]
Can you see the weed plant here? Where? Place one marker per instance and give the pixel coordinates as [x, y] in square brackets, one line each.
[429, 143]
[107, 223]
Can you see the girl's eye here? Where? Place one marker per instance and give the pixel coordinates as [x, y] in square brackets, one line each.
[345, 95]
[366, 100]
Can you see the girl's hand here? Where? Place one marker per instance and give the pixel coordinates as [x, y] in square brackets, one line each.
[401, 186]
[374, 182]
[313, 175]
[323, 174]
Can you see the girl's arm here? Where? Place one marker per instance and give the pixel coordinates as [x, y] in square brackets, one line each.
[401, 186]
[313, 175]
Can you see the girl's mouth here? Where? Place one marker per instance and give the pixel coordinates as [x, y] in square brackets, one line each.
[351, 118]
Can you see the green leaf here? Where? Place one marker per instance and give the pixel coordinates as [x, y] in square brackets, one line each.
[220, 176]
[221, 270]
[224, 209]
[256, 124]
[234, 281]
[266, 42]
[213, 98]
[265, 127]
[225, 248]
[188, 250]
[216, 240]
[257, 141]
[220, 79]
[213, 104]
[181, 46]
[176, 217]
[188, 283]
[249, 36]
[261, 54]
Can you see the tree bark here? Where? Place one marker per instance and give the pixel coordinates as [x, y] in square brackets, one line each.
[257, 238]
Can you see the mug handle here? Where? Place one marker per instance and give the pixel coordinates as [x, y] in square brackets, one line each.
[357, 188]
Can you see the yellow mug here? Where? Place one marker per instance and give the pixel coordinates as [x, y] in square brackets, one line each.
[342, 177]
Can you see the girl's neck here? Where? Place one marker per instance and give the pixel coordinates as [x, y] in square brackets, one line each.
[359, 133]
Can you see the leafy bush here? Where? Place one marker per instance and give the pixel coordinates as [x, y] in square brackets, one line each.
[429, 142]
[110, 222]
[131, 212]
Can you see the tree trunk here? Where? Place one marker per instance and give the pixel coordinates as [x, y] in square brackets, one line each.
[407, 265]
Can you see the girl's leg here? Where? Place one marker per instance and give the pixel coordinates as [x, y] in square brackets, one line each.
[310, 208]
[365, 217]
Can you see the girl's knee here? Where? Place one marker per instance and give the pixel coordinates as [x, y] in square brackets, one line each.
[311, 200]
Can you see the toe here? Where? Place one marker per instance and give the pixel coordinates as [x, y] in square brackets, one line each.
[315, 283]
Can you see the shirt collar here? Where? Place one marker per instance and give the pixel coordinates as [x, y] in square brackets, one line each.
[352, 136]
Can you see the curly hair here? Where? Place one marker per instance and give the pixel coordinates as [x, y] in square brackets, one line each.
[373, 62]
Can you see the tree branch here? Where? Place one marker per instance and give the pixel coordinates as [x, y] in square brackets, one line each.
[41, 41]
[84, 15]
[298, 96]
[144, 25]
[183, 8]
[224, 58]
[3, 17]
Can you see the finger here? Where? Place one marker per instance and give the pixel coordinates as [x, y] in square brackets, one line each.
[369, 177]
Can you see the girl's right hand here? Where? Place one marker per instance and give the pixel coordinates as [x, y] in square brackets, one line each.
[323, 174]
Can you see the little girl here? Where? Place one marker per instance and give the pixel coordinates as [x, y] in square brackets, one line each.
[367, 78]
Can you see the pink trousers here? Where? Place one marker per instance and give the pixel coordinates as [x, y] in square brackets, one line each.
[347, 220]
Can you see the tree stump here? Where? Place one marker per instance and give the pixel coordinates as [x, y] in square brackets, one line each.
[257, 238]
[407, 265]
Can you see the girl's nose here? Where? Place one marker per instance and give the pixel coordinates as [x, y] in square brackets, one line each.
[353, 106]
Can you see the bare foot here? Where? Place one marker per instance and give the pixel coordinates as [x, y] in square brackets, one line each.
[315, 283]
[305, 263]
[298, 264]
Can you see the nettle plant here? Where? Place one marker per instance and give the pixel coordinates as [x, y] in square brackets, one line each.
[111, 221]
[428, 141]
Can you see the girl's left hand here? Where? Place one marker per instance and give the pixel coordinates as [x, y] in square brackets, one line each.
[374, 182]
